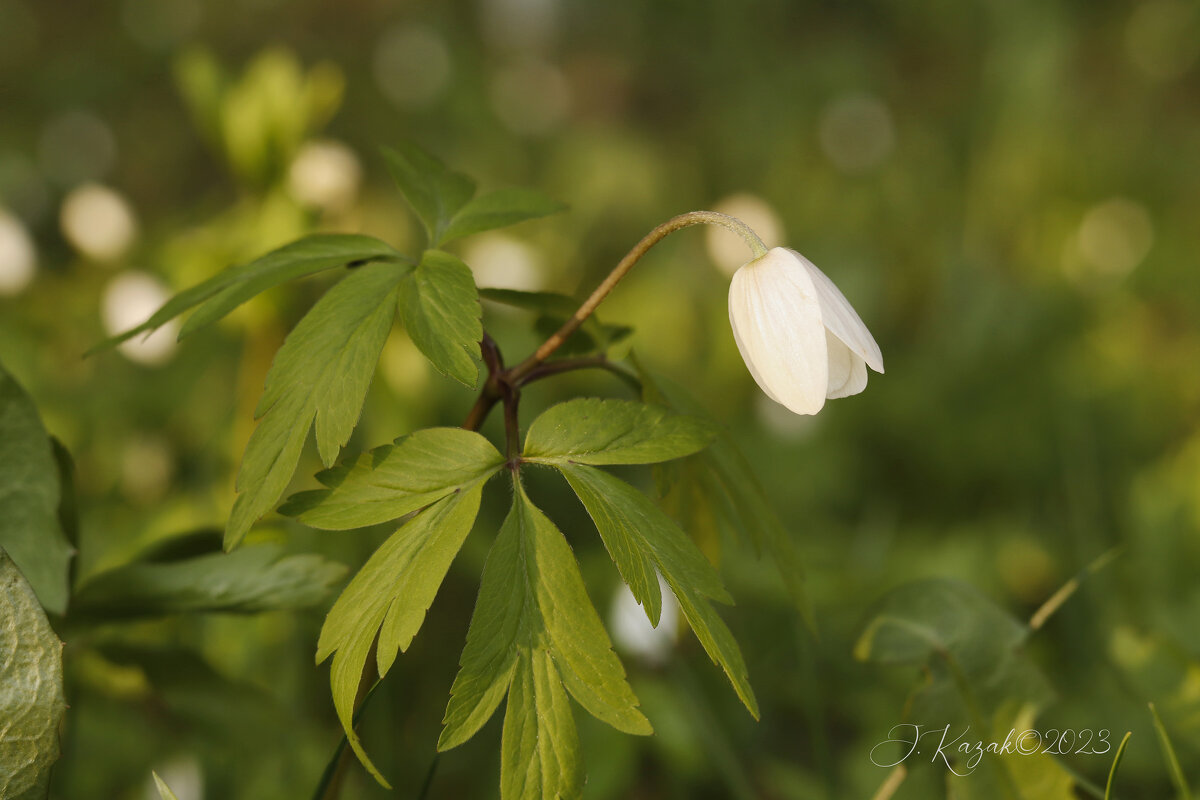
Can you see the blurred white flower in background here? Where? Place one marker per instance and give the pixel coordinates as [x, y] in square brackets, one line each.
[325, 174]
[501, 262]
[411, 65]
[726, 248]
[856, 132]
[800, 338]
[18, 255]
[183, 775]
[98, 222]
[631, 628]
[129, 300]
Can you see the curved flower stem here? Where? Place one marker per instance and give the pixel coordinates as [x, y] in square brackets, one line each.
[632, 257]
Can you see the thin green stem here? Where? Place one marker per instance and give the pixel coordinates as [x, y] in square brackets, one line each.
[757, 248]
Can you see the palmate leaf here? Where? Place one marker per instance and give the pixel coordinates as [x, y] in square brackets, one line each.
[226, 290]
[593, 431]
[534, 631]
[397, 479]
[641, 539]
[389, 597]
[31, 688]
[30, 492]
[440, 306]
[321, 372]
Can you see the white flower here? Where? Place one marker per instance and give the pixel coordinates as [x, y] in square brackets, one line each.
[799, 336]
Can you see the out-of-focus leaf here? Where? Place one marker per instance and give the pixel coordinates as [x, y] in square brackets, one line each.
[533, 631]
[440, 307]
[31, 688]
[642, 539]
[971, 647]
[188, 692]
[30, 530]
[593, 431]
[499, 209]
[226, 290]
[249, 580]
[164, 791]
[435, 191]
[390, 596]
[322, 371]
[397, 479]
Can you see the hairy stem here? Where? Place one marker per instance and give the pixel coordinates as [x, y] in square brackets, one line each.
[632, 257]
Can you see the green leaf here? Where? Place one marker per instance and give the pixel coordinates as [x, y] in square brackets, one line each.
[226, 290]
[31, 688]
[440, 307]
[30, 530]
[499, 209]
[389, 597]
[972, 649]
[641, 539]
[593, 431]
[539, 748]
[532, 608]
[733, 475]
[397, 479]
[322, 371]
[164, 791]
[249, 580]
[435, 192]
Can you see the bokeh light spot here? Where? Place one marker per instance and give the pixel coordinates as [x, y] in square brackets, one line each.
[98, 222]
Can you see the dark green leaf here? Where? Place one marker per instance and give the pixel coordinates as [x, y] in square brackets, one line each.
[322, 371]
[972, 648]
[641, 539]
[31, 688]
[389, 597]
[440, 307]
[249, 580]
[226, 290]
[435, 191]
[532, 608]
[30, 530]
[499, 209]
[592, 431]
[397, 479]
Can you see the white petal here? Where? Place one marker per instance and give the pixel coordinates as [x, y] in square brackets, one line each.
[840, 317]
[847, 372]
[776, 321]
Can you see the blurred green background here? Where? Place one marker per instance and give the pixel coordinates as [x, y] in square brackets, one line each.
[1006, 191]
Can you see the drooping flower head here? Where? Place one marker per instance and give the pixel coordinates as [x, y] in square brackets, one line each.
[799, 336]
